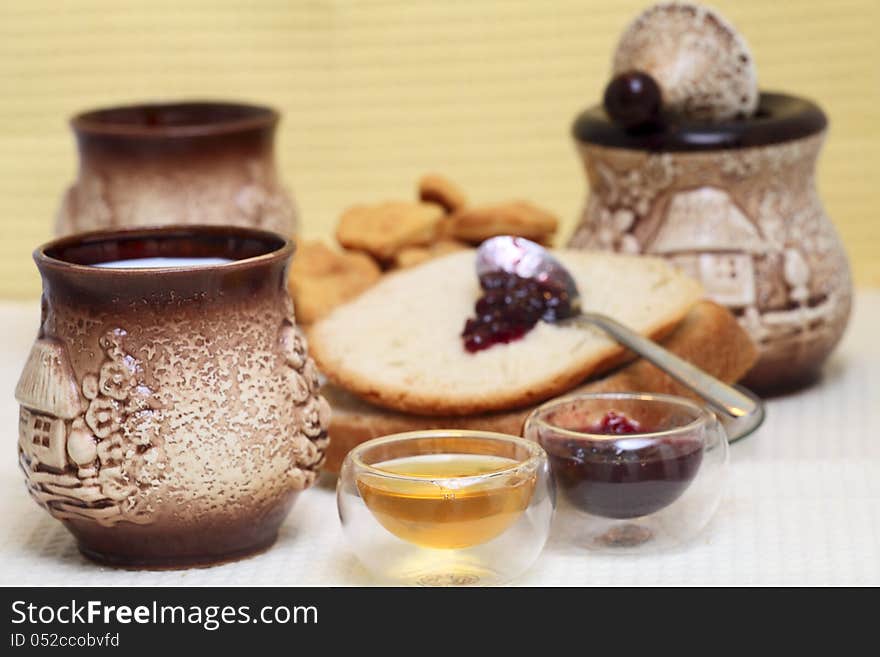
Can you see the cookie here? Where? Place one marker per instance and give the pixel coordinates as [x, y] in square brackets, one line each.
[434, 188]
[384, 229]
[321, 279]
[519, 218]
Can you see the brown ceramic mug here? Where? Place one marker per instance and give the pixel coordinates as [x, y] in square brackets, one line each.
[169, 415]
[176, 163]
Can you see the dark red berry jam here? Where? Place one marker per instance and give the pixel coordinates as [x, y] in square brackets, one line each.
[626, 476]
[510, 307]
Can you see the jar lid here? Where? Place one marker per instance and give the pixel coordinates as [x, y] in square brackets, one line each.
[778, 118]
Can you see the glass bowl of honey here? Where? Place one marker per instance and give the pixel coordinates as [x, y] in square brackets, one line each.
[636, 471]
[446, 507]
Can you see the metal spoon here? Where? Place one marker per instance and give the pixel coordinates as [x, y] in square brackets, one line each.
[524, 258]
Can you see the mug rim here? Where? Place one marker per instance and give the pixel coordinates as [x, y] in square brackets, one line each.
[284, 249]
[91, 122]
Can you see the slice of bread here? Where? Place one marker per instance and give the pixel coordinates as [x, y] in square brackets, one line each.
[710, 337]
[399, 344]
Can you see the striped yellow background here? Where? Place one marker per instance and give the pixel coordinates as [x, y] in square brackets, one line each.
[376, 92]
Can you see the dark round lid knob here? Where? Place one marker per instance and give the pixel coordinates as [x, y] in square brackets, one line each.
[633, 100]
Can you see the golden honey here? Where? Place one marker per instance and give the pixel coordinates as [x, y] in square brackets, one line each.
[437, 507]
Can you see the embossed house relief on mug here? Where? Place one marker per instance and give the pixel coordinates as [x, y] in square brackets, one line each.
[91, 449]
[710, 238]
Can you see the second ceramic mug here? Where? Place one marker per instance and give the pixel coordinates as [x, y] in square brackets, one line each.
[169, 416]
[176, 163]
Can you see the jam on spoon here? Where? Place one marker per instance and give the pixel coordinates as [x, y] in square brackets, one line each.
[510, 307]
[632, 476]
[515, 255]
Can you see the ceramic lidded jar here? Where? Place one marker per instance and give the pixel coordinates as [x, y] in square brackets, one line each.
[191, 163]
[734, 203]
[169, 416]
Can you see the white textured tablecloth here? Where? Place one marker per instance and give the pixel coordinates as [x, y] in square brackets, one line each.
[802, 504]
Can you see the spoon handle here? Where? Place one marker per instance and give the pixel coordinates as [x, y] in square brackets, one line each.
[720, 395]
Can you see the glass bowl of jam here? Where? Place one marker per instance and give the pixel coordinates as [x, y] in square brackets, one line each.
[446, 507]
[642, 471]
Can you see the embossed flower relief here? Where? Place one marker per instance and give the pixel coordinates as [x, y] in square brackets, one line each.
[116, 380]
[109, 391]
[312, 411]
[309, 443]
[771, 219]
[315, 417]
[82, 448]
[660, 172]
[622, 199]
[741, 164]
[612, 230]
[807, 230]
[805, 242]
[797, 275]
[104, 416]
[293, 346]
[637, 187]
[126, 415]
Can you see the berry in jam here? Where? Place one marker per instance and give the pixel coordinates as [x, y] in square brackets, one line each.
[510, 307]
[624, 477]
[614, 423]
